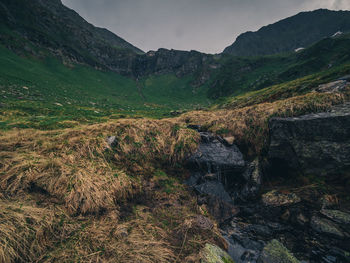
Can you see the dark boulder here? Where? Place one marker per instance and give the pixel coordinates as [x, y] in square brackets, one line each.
[218, 201]
[314, 144]
[213, 156]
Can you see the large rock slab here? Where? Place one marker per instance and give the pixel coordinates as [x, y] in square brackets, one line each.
[215, 156]
[315, 144]
[326, 227]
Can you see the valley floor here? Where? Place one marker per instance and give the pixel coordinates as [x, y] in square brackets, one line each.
[114, 192]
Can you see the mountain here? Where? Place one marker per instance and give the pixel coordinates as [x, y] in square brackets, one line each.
[37, 25]
[239, 75]
[42, 27]
[301, 30]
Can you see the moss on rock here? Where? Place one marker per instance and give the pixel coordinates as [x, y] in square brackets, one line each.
[275, 252]
[213, 254]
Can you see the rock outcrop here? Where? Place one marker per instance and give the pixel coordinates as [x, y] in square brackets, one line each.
[221, 176]
[314, 144]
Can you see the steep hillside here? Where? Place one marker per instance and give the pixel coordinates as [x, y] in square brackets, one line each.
[51, 26]
[238, 75]
[291, 33]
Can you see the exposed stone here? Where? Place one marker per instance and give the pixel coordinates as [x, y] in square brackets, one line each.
[275, 252]
[324, 226]
[112, 141]
[253, 177]
[213, 254]
[213, 156]
[346, 77]
[214, 188]
[314, 144]
[276, 198]
[335, 86]
[337, 216]
[219, 202]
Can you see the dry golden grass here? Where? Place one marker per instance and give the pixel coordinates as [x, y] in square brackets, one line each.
[87, 202]
[145, 143]
[76, 170]
[24, 231]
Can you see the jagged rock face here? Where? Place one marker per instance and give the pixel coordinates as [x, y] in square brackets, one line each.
[170, 61]
[315, 144]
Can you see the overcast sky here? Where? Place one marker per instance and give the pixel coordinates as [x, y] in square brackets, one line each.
[204, 25]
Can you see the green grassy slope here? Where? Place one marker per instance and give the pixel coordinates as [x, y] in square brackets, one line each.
[241, 75]
[33, 90]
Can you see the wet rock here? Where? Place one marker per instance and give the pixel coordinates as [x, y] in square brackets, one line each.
[335, 86]
[215, 189]
[242, 254]
[259, 230]
[311, 144]
[276, 198]
[213, 156]
[275, 252]
[337, 216]
[326, 227]
[213, 254]
[253, 177]
[220, 209]
[219, 202]
[194, 179]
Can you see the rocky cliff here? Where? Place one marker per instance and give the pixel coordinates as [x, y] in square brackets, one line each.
[315, 144]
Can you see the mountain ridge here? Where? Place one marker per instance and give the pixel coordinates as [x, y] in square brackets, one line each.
[291, 33]
[53, 26]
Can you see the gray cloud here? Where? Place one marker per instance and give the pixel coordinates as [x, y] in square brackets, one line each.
[204, 25]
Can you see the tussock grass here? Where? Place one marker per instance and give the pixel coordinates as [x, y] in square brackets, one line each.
[24, 231]
[107, 240]
[77, 167]
[67, 165]
[92, 184]
[143, 144]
